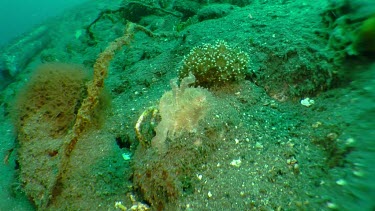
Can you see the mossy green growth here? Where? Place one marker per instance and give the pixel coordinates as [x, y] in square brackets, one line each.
[365, 38]
[215, 64]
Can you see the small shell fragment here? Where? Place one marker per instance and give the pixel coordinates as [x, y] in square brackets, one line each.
[126, 156]
[236, 163]
[209, 194]
[307, 102]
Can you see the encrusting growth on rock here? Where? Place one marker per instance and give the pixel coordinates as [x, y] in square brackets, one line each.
[53, 113]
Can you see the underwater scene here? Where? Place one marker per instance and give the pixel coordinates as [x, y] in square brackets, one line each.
[191, 105]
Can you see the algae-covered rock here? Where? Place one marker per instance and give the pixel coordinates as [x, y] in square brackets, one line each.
[365, 38]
